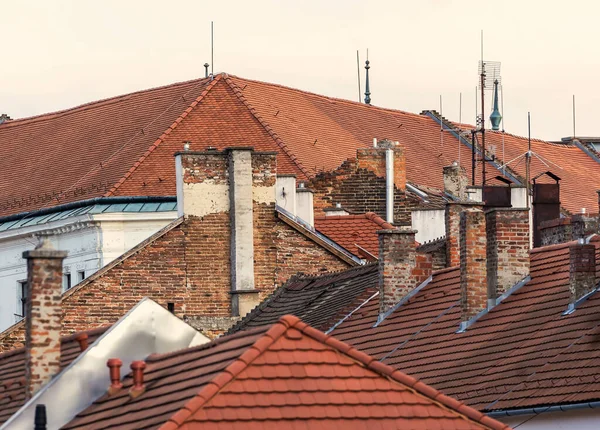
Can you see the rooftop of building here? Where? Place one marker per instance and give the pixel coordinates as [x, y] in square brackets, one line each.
[124, 146]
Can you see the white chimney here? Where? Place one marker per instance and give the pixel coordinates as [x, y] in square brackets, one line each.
[304, 204]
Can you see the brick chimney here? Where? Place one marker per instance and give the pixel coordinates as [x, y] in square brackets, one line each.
[455, 180]
[582, 273]
[473, 267]
[397, 265]
[229, 185]
[387, 160]
[452, 219]
[43, 315]
[507, 248]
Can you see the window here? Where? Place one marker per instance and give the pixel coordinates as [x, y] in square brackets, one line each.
[80, 275]
[66, 281]
[21, 300]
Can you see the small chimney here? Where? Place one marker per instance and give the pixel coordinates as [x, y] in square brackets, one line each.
[508, 245]
[546, 205]
[304, 204]
[286, 193]
[4, 117]
[337, 210]
[114, 365]
[43, 315]
[397, 264]
[82, 340]
[582, 274]
[455, 180]
[452, 219]
[138, 388]
[473, 268]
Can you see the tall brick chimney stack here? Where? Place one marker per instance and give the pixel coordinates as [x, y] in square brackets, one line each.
[582, 274]
[473, 267]
[455, 180]
[227, 191]
[397, 266]
[43, 315]
[452, 219]
[508, 243]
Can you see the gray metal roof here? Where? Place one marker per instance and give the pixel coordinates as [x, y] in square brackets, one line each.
[92, 209]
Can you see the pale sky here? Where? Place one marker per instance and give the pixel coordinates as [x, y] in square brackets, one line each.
[58, 54]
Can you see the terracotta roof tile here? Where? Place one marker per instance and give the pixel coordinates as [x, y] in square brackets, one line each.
[354, 232]
[288, 375]
[12, 371]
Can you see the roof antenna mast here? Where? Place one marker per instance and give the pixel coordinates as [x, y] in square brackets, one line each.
[574, 135]
[212, 51]
[367, 88]
[358, 71]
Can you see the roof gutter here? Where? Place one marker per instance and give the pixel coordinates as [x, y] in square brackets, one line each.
[89, 202]
[470, 146]
[543, 409]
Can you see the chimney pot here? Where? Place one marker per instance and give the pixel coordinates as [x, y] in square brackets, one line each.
[82, 339]
[114, 365]
[138, 387]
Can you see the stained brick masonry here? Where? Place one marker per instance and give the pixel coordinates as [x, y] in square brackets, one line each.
[507, 248]
[43, 313]
[473, 267]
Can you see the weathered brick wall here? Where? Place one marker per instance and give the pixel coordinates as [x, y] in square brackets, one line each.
[507, 249]
[359, 185]
[563, 230]
[189, 266]
[473, 268]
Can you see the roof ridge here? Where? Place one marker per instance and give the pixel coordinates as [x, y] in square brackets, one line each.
[379, 221]
[85, 106]
[161, 138]
[321, 96]
[266, 126]
[229, 373]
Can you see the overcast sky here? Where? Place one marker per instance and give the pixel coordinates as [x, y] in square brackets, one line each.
[57, 54]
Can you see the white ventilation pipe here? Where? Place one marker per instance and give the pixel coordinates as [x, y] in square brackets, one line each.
[389, 185]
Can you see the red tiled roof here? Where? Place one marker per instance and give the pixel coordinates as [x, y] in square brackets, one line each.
[290, 376]
[12, 371]
[125, 145]
[353, 231]
[522, 353]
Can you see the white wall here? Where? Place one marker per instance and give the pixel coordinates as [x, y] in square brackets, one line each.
[92, 241]
[580, 419]
[430, 224]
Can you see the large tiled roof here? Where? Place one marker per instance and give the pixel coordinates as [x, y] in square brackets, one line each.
[523, 353]
[125, 145]
[353, 232]
[289, 376]
[12, 371]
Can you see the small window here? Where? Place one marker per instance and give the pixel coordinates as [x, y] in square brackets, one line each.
[66, 281]
[80, 275]
[21, 300]
[171, 307]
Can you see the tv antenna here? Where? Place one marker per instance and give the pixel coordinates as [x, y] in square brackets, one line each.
[489, 79]
[358, 72]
